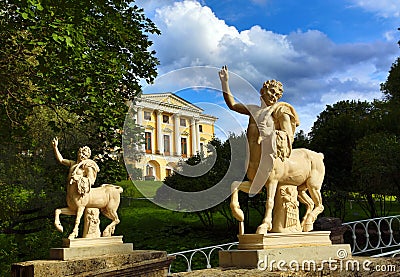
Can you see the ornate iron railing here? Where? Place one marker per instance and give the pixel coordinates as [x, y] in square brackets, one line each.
[368, 236]
[205, 251]
[375, 234]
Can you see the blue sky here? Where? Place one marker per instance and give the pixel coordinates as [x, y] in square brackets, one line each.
[322, 51]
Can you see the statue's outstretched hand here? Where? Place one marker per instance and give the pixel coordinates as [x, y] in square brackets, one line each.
[223, 74]
[55, 142]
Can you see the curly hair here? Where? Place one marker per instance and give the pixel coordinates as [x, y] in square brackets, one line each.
[272, 84]
[86, 151]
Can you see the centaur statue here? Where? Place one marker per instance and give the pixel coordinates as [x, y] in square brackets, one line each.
[81, 195]
[272, 163]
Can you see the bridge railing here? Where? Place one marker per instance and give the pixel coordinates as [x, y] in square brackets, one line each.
[206, 252]
[368, 236]
[374, 235]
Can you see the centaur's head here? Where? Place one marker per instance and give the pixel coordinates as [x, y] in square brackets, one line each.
[84, 153]
[271, 92]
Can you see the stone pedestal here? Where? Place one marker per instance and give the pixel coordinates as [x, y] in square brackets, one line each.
[105, 256]
[136, 263]
[276, 249]
[90, 247]
[273, 258]
[279, 240]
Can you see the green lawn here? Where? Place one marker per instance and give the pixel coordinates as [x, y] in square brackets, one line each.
[150, 226]
[138, 189]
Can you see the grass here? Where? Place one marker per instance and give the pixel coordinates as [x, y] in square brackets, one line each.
[149, 226]
[139, 189]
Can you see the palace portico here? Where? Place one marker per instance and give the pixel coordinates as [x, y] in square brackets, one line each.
[173, 129]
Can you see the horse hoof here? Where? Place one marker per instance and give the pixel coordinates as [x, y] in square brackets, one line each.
[307, 227]
[72, 236]
[264, 228]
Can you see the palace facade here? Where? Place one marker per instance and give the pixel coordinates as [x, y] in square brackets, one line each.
[174, 129]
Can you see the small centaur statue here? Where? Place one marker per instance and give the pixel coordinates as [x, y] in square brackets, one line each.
[81, 195]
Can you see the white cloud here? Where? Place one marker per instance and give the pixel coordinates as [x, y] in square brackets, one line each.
[313, 69]
[383, 8]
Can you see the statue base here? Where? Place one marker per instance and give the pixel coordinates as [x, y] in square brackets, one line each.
[279, 240]
[278, 249]
[136, 263]
[90, 247]
[279, 258]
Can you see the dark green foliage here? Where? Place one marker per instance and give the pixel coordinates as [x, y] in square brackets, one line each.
[226, 163]
[67, 69]
[335, 134]
[301, 140]
[377, 171]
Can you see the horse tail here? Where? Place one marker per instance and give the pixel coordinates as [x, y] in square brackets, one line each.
[119, 189]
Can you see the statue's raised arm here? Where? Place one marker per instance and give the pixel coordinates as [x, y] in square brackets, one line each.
[228, 97]
[58, 155]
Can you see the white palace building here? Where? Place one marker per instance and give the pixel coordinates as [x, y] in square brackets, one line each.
[174, 129]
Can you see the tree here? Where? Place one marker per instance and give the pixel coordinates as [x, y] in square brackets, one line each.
[335, 134]
[87, 57]
[301, 140]
[224, 156]
[376, 170]
[391, 90]
[391, 87]
[67, 68]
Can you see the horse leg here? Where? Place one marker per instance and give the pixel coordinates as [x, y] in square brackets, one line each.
[305, 199]
[319, 208]
[79, 214]
[111, 214]
[266, 224]
[57, 222]
[235, 207]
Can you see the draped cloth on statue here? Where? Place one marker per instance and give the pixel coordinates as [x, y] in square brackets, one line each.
[275, 142]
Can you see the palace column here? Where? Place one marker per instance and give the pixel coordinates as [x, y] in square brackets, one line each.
[160, 144]
[194, 136]
[139, 116]
[177, 135]
[197, 136]
[139, 121]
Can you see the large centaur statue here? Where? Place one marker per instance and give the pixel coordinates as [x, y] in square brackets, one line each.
[81, 195]
[271, 160]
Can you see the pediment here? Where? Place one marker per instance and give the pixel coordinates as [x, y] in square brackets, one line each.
[170, 99]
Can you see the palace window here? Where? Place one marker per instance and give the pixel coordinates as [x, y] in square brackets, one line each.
[183, 122]
[149, 171]
[184, 147]
[147, 115]
[167, 148]
[201, 128]
[165, 119]
[147, 142]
